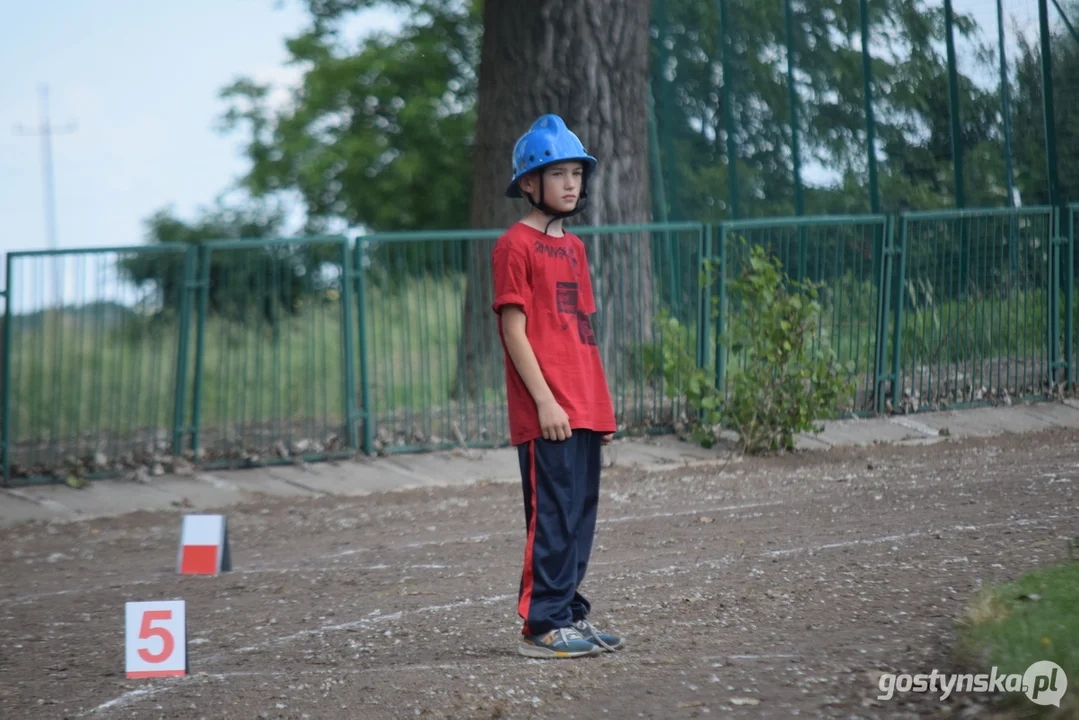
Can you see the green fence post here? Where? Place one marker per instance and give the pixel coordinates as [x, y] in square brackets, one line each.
[897, 322]
[6, 401]
[727, 50]
[705, 290]
[1005, 105]
[870, 122]
[957, 146]
[953, 104]
[203, 287]
[1069, 295]
[179, 398]
[796, 154]
[722, 305]
[1054, 300]
[870, 129]
[792, 95]
[884, 285]
[1047, 103]
[1050, 306]
[666, 107]
[1006, 114]
[348, 275]
[366, 411]
[655, 159]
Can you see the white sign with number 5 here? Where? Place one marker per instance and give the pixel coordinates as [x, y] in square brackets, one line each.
[155, 638]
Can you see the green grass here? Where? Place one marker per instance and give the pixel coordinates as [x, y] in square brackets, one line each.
[77, 372]
[1034, 618]
[412, 335]
[94, 377]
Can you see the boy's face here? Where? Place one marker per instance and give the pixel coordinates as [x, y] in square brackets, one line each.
[561, 185]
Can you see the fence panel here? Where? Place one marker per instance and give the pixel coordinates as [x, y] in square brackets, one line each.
[973, 317]
[1070, 233]
[273, 375]
[92, 341]
[414, 313]
[258, 350]
[648, 325]
[411, 320]
[842, 255]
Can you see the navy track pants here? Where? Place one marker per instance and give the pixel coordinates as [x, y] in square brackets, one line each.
[561, 495]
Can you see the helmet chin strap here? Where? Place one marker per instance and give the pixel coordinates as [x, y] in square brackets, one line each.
[582, 203]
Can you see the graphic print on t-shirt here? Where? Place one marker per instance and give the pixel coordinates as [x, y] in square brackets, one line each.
[567, 297]
[559, 253]
[584, 329]
[566, 293]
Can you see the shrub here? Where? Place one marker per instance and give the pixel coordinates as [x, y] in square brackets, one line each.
[780, 378]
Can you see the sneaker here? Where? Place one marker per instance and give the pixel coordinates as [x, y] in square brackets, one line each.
[560, 643]
[603, 641]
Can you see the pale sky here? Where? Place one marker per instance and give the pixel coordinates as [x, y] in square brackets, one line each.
[141, 81]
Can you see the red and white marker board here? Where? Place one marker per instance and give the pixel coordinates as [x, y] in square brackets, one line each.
[155, 642]
[204, 545]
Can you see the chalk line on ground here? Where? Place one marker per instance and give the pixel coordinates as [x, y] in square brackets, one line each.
[136, 695]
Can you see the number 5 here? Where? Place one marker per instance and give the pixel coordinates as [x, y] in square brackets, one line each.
[147, 631]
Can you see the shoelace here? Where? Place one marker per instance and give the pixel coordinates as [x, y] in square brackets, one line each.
[568, 635]
[592, 631]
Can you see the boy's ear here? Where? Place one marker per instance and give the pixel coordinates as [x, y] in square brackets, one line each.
[529, 182]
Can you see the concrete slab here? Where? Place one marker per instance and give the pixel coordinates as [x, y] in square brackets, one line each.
[101, 499]
[920, 429]
[662, 455]
[984, 422]
[192, 492]
[864, 432]
[1059, 414]
[457, 467]
[16, 509]
[322, 478]
[255, 481]
[671, 446]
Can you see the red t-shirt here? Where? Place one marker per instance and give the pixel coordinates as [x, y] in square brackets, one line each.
[549, 278]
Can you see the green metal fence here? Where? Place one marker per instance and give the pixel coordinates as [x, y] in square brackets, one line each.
[90, 361]
[257, 351]
[976, 307]
[647, 283]
[414, 311]
[842, 255]
[272, 376]
[411, 319]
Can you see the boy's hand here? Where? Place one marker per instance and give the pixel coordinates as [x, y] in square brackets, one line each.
[554, 422]
[606, 439]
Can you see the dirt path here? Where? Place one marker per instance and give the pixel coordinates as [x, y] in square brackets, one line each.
[815, 572]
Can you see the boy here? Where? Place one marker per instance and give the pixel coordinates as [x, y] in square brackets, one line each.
[560, 409]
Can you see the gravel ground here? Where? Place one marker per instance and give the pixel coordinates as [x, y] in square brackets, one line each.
[770, 587]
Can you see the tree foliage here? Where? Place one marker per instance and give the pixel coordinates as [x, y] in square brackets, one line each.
[376, 135]
[910, 105]
[1031, 161]
[379, 132]
[270, 280]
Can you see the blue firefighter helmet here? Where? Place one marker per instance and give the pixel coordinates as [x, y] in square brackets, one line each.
[548, 141]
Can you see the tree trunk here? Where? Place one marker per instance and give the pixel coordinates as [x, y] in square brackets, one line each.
[588, 63]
